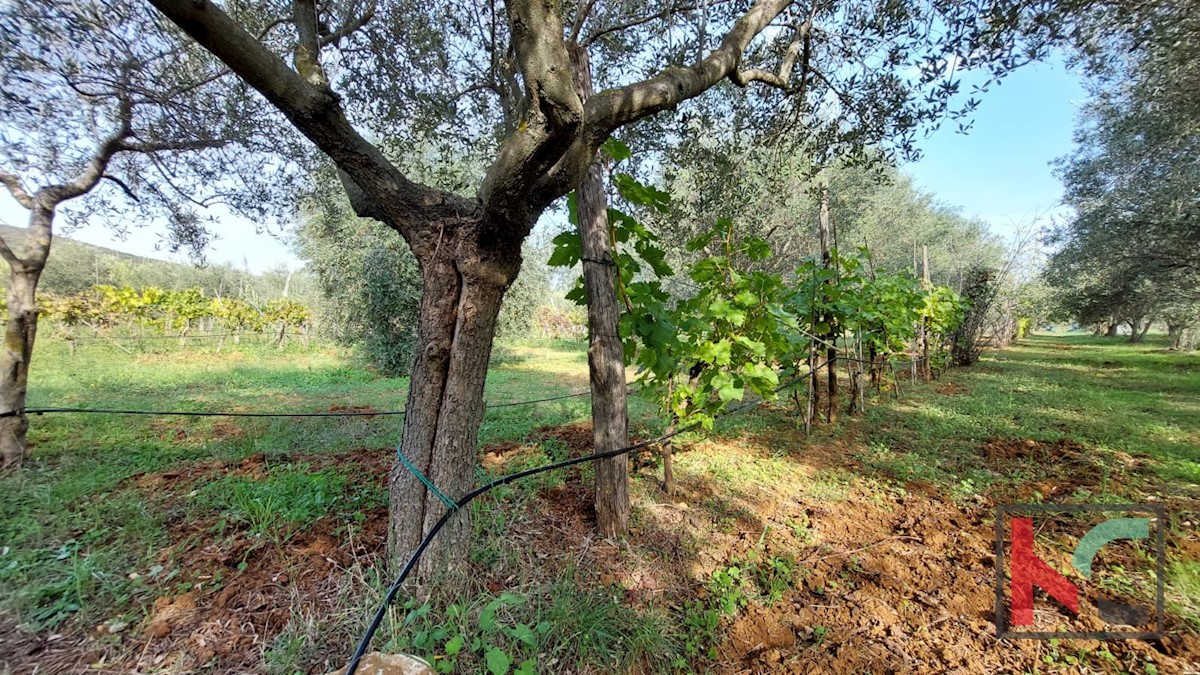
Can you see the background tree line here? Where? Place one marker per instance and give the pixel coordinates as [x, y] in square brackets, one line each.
[1129, 254]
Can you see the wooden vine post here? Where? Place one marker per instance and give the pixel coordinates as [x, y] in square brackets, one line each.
[606, 354]
[923, 331]
[830, 336]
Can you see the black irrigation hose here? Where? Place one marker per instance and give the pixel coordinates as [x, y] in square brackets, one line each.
[466, 499]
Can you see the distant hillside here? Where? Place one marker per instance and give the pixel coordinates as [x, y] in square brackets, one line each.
[75, 266]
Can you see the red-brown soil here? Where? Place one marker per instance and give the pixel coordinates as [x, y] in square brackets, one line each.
[899, 581]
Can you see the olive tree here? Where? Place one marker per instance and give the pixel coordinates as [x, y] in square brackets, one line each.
[101, 108]
[349, 75]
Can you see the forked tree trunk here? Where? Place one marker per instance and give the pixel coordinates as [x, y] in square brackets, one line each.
[606, 354]
[1136, 336]
[470, 272]
[19, 334]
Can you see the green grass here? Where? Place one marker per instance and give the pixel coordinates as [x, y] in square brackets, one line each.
[287, 500]
[1106, 395]
[72, 526]
[81, 542]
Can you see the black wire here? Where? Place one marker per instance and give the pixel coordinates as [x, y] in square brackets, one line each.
[81, 338]
[201, 413]
[466, 499]
[540, 400]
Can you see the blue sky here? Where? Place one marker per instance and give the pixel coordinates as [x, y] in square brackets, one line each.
[999, 171]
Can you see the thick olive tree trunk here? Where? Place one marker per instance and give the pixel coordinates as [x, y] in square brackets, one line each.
[470, 273]
[606, 354]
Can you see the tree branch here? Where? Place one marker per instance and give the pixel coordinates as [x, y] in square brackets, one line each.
[307, 56]
[782, 80]
[87, 179]
[642, 20]
[554, 115]
[581, 14]
[614, 108]
[7, 253]
[316, 112]
[163, 146]
[351, 27]
[17, 190]
[121, 184]
[779, 80]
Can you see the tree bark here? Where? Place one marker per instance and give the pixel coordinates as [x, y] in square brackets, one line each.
[19, 334]
[445, 400]
[606, 353]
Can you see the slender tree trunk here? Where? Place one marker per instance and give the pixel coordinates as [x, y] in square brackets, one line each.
[471, 270]
[873, 357]
[832, 377]
[20, 331]
[19, 334]
[923, 333]
[814, 389]
[606, 354]
[852, 378]
[668, 458]
[830, 335]
[1111, 331]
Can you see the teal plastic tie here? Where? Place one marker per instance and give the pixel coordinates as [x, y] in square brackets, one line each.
[450, 503]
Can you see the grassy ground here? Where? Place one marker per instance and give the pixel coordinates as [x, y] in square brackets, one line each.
[234, 544]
